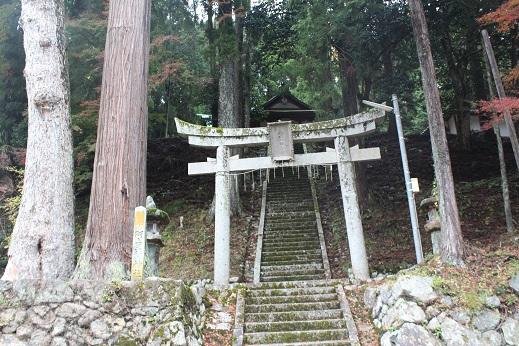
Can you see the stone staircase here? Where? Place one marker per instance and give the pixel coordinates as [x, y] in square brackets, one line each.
[295, 302]
[291, 249]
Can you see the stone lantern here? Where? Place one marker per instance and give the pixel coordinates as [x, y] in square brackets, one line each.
[433, 225]
[155, 218]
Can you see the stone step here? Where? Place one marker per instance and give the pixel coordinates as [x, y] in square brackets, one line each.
[317, 306]
[291, 291]
[295, 336]
[294, 246]
[255, 327]
[292, 299]
[281, 237]
[296, 215]
[289, 199]
[287, 253]
[292, 267]
[290, 225]
[288, 184]
[288, 243]
[301, 277]
[343, 342]
[299, 191]
[296, 193]
[267, 253]
[287, 220]
[297, 245]
[291, 196]
[290, 231]
[283, 225]
[293, 316]
[291, 257]
[291, 237]
[294, 285]
[291, 262]
[289, 212]
[291, 272]
[304, 203]
[291, 218]
[307, 235]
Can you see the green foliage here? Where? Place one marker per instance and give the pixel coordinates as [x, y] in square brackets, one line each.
[13, 123]
[12, 204]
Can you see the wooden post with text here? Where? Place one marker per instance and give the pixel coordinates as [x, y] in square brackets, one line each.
[139, 244]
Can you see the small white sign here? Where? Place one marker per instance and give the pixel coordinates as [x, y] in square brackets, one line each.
[415, 185]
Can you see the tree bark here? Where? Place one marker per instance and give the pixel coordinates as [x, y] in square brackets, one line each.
[452, 239]
[501, 154]
[119, 182]
[246, 87]
[477, 74]
[350, 103]
[228, 104]
[513, 47]
[462, 118]
[350, 86]
[213, 87]
[229, 98]
[42, 243]
[501, 93]
[240, 21]
[387, 60]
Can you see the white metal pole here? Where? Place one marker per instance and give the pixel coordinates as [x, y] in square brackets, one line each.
[359, 259]
[222, 222]
[408, 184]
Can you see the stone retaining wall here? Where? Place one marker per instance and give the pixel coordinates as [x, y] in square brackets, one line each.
[410, 312]
[151, 312]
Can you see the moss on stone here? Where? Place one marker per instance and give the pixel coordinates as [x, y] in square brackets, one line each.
[126, 341]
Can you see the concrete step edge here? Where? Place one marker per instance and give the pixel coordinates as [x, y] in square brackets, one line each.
[287, 292]
[253, 327]
[297, 336]
[301, 298]
[286, 316]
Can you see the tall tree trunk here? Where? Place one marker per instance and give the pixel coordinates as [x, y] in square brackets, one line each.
[387, 60]
[119, 182]
[501, 93]
[350, 103]
[240, 21]
[477, 74]
[462, 118]
[228, 104]
[501, 155]
[452, 239]
[246, 87]
[513, 46]
[350, 87]
[42, 243]
[213, 70]
[228, 100]
[168, 100]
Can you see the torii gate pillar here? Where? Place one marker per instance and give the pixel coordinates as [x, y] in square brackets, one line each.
[350, 203]
[222, 218]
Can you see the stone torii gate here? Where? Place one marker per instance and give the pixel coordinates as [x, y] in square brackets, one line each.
[281, 137]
